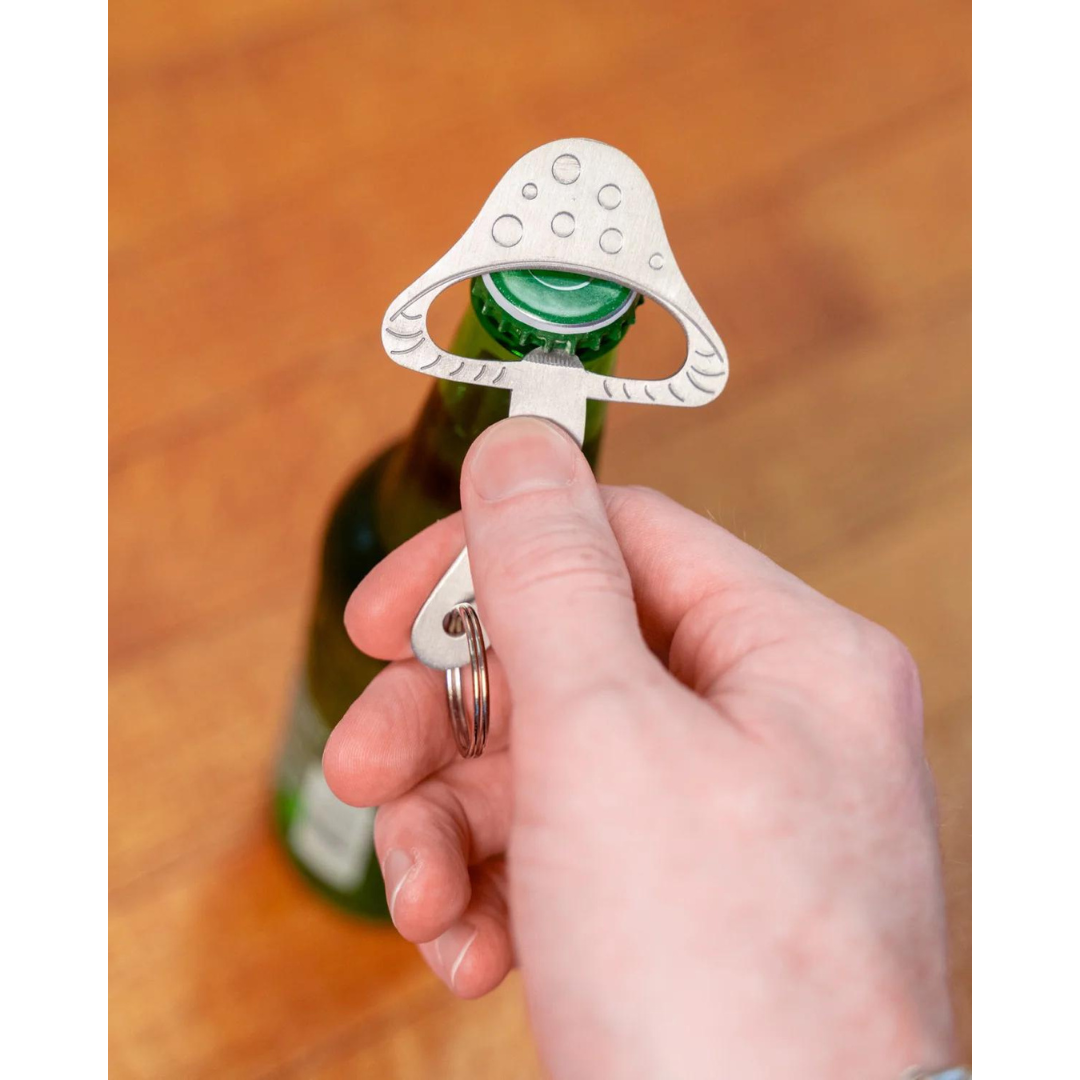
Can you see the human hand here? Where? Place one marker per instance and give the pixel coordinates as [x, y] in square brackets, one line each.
[703, 828]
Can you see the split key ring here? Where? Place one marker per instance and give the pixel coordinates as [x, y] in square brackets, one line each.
[471, 738]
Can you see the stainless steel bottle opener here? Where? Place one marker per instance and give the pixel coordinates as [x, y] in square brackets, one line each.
[576, 205]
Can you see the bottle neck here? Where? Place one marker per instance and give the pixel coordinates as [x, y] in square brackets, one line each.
[421, 481]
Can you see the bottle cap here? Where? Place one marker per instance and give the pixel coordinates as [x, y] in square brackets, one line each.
[553, 309]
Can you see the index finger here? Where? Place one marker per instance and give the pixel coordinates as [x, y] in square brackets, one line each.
[381, 610]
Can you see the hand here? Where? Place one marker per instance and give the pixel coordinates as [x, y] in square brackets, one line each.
[703, 827]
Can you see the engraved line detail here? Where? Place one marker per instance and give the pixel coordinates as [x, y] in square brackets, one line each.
[649, 394]
[424, 367]
[708, 374]
[607, 389]
[480, 374]
[458, 368]
[401, 352]
[502, 372]
[703, 389]
[398, 333]
[626, 392]
[675, 393]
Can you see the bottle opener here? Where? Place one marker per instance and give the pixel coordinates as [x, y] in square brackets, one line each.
[575, 205]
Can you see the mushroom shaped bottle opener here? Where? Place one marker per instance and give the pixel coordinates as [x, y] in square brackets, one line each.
[575, 205]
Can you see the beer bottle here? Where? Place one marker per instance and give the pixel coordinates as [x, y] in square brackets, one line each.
[399, 493]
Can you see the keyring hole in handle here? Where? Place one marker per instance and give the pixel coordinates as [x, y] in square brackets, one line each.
[454, 624]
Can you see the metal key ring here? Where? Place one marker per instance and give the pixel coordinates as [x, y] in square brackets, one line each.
[470, 738]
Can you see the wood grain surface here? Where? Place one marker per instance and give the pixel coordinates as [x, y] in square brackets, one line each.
[279, 168]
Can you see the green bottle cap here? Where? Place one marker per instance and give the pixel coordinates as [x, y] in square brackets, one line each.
[552, 309]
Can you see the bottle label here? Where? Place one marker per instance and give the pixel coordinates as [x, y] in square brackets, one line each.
[331, 839]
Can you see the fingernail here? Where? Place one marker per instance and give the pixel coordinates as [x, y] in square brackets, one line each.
[520, 455]
[452, 947]
[395, 871]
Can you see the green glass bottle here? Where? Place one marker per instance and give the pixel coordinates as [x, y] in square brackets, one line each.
[405, 489]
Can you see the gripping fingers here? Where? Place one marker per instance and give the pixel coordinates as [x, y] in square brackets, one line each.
[398, 732]
[429, 838]
[475, 954]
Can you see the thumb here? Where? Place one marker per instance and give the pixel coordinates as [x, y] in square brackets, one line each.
[550, 580]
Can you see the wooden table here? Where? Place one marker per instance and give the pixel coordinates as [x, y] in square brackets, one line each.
[279, 169]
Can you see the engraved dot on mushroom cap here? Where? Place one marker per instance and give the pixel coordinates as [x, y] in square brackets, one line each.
[656, 260]
[529, 191]
[611, 241]
[562, 224]
[507, 230]
[609, 196]
[566, 169]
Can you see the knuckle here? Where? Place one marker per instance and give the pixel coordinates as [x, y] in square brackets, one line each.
[632, 500]
[894, 676]
[893, 658]
[642, 493]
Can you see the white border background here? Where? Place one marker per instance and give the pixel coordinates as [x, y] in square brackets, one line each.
[1027, 540]
[53, 456]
